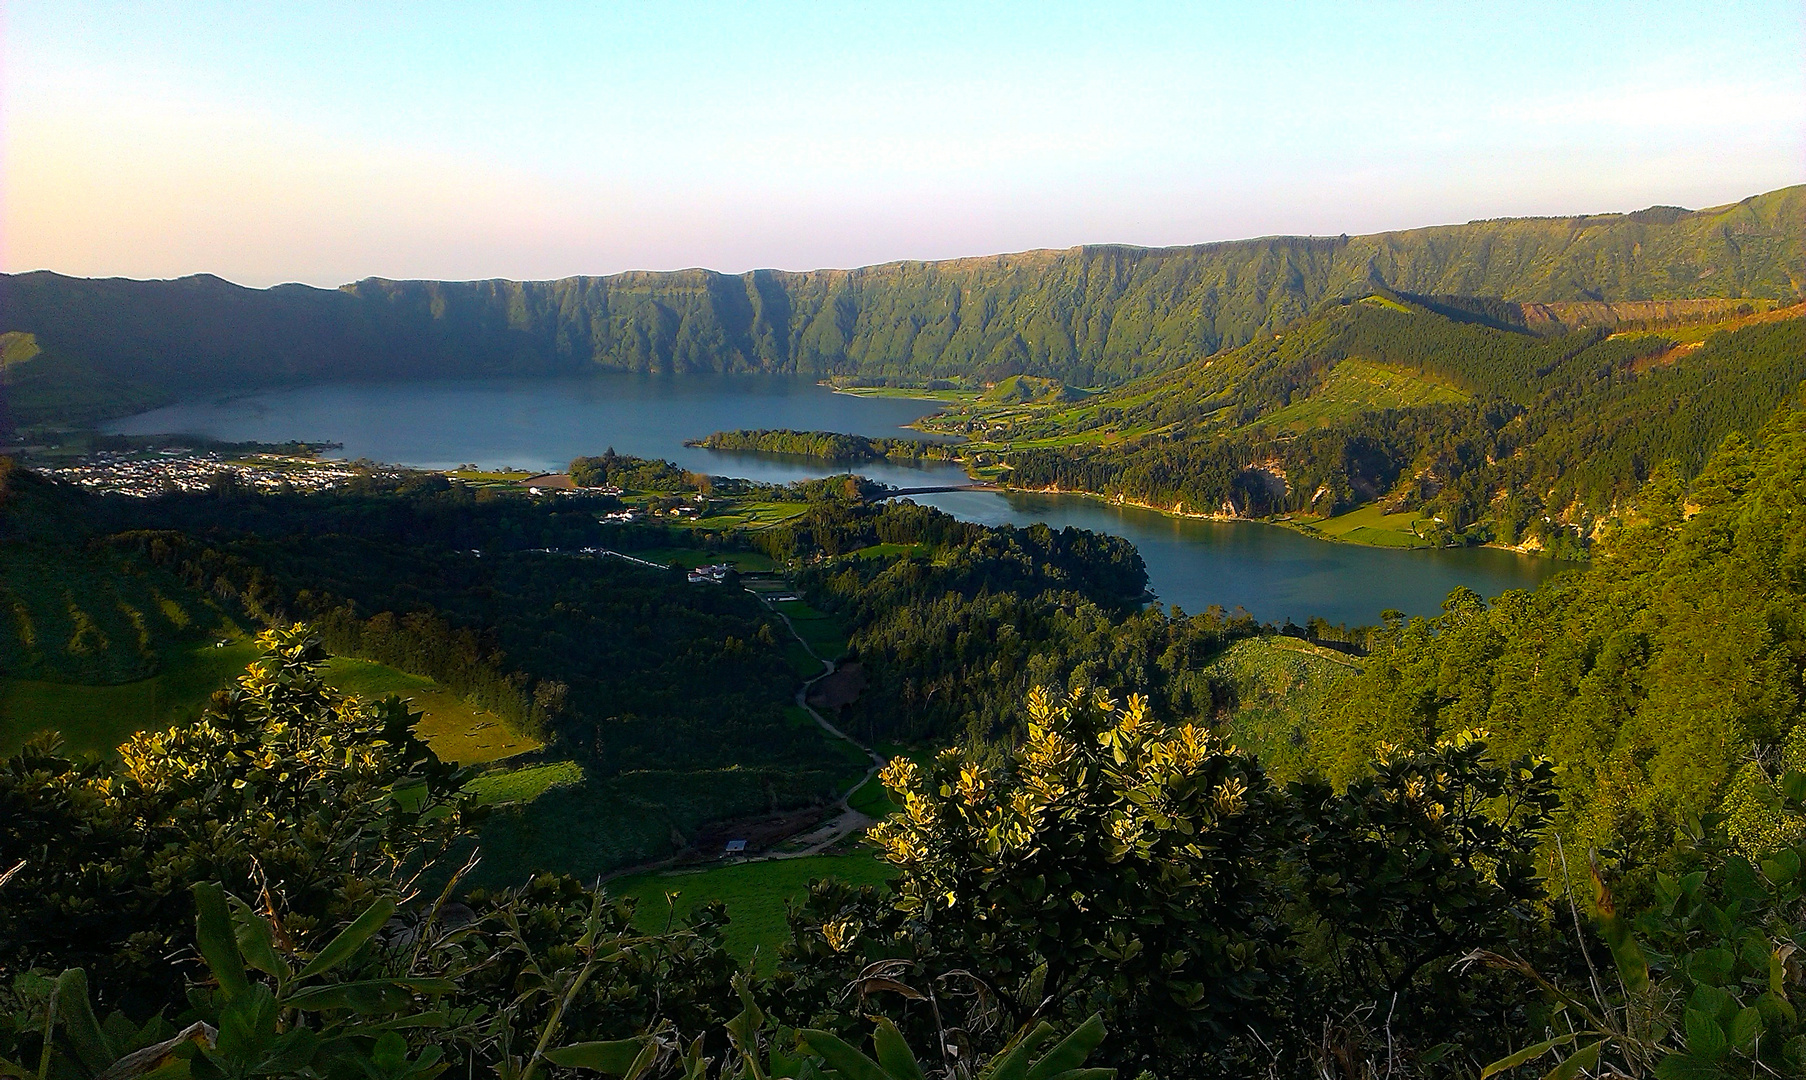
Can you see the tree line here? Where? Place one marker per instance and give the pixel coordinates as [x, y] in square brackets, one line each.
[831, 445]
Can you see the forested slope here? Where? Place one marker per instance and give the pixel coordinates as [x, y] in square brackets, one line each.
[1665, 679]
[1487, 433]
[1088, 316]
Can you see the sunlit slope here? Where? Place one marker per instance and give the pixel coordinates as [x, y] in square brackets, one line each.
[1387, 352]
[1088, 316]
[1096, 315]
[1462, 431]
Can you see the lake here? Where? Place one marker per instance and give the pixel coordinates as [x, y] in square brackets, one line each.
[541, 424]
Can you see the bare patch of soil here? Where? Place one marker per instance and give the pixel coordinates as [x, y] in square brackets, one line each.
[841, 688]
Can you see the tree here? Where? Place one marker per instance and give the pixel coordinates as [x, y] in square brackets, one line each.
[1107, 864]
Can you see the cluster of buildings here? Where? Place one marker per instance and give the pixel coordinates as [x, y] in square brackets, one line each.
[710, 575]
[157, 472]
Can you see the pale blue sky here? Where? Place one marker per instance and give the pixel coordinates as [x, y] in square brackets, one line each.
[324, 142]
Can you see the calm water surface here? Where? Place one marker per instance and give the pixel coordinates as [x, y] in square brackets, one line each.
[541, 424]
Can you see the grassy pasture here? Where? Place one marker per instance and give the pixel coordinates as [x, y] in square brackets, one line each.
[753, 515]
[525, 784]
[1373, 526]
[756, 895]
[94, 720]
[872, 800]
[455, 729]
[494, 476]
[821, 630]
[1281, 684]
[1357, 386]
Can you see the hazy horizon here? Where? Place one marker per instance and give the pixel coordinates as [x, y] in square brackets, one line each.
[885, 262]
[266, 144]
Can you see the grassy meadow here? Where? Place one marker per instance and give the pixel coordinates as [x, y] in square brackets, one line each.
[455, 729]
[1280, 684]
[95, 719]
[1357, 386]
[1369, 525]
[822, 631]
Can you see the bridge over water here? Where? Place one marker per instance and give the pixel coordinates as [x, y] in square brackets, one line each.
[897, 493]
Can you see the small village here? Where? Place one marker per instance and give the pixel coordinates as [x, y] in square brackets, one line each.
[146, 473]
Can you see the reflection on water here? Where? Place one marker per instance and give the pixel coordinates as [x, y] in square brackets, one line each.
[540, 424]
[1273, 572]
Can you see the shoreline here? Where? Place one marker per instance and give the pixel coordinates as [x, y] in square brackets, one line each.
[1272, 522]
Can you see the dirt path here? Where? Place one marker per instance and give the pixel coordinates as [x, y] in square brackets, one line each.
[849, 820]
[837, 828]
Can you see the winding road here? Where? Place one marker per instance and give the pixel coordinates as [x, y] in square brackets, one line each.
[837, 828]
[849, 820]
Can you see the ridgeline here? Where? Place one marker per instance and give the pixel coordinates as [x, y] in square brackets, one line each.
[1087, 316]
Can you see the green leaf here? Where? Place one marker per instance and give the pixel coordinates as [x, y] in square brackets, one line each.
[1711, 966]
[91, 1044]
[840, 1057]
[1781, 867]
[1071, 1051]
[1012, 1064]
[350, 939]
[1746, 1026]
[894, 1055]
[214, 937]
[390, 1054]
[364, 997]
[1527, 1053]
[1686, 1067]
[1705, 1038]
[1713, 1002]
[255, 942]
[1085, 1074]
[1627, 955]
[1584, 1058]
[435, 1019]
[294, 1050]
[615, 1058]
[1793, 785]
[1776, 1008]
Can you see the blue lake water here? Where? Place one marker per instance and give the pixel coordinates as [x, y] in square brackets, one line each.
[541, 424]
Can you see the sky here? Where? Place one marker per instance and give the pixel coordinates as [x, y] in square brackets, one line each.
[327, 142]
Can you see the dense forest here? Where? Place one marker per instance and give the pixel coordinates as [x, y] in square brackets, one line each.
[484, 594]
[828, 444]
[1427, 881]
[1667, 680]
[1494, 434]
[1133, 882]
[1087, 316]
[955, 629]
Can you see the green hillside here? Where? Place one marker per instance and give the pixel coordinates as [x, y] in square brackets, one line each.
[1463, 430]
[1086, 316]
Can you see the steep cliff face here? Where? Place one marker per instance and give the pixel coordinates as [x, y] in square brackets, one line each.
[1087, 316]
[1098, 315]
